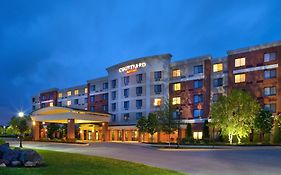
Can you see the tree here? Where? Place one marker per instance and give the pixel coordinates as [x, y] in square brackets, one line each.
[152, 125]
[188, 132]
[167, 123]
[20, 126]
[51, 128]
[206, 134]
[276, 131]
[235, 114]
[264, 122]
[142, 125]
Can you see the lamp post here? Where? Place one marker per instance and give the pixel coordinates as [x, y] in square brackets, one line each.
[179, 113]
[21, 114]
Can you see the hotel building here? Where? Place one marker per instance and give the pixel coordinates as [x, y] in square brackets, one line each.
[109, 107]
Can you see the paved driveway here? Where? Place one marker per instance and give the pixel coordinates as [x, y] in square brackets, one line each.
[253, 161]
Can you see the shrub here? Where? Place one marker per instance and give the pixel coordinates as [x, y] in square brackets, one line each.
[276, 132]
[266, 139]
[2, 141]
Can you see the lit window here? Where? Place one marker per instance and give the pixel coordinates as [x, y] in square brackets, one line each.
[68, 93]
[176, 73]
[240, 62]
[176, 101]
[68, 103]
[60, 95]
[239, 78]
[76, 92]
[86, 90]
[177, 86]
[51, 104]
[197, 135]
[157, 102]
[217, 67]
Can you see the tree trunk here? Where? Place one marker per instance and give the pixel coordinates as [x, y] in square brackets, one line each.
[21, 136]
[239, 140]
[230, 137]
[169, 140]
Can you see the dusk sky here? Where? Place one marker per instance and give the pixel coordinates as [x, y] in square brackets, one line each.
[64, 43]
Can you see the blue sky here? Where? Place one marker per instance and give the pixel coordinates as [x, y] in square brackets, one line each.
[45, 44]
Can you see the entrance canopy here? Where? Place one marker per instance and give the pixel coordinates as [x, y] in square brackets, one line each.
[62, 114]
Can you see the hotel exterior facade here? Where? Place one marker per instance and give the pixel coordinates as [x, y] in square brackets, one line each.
[135, 88]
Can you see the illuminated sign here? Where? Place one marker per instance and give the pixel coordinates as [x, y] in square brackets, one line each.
[132, 68]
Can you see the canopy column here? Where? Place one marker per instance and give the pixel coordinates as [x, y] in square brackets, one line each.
[71, 129]
[36, 130]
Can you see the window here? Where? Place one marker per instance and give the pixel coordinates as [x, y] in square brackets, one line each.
[268, 91]
[105, 107]
[113, 106]
[60, 104]
[113, 95]
[126, 80]
[157, 89]
[197, 113]
[68, 103]
[240, 62]
[126, 105]
[86, 90]
[33, 108]
[240, 78]
[60, 95]
[68, 93]
[176, 101]
[92, 108]
[198, 69]
[157, 75]
[51, 104]
[176, 73]
[218, 82]
[113, 84]
[85, 100]
[33, 99]
[113, 118]
[105, 96]
[76, 92]
[93, 87]
[138, 104]
[270, 74]
[198, 84]
[216, 97]
[217, 67]
[126, 116]
[198, 98]
[269, 56]
[157, 102]
[177, 86]
[43, 105]
[105, 86]
[126, 93]
[76, 101]
[197, 135]
[270, 107]
[139, 91]
[138, 115]
[139, 78]
[92, 98]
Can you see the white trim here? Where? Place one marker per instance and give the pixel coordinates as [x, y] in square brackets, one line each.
[195, 120]
[255, 69]
[195, 77]
[47, 101]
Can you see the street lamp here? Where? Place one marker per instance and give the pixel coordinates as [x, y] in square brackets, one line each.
[21, 114]
[179, 113]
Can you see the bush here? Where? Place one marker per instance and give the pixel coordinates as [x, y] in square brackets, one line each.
[266, 139]
[276, 133]
[256, 138]
[2, 141]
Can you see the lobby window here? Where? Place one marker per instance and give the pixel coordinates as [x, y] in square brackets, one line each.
[198, 113]
[139, 78]
[270, 107]
[270, 74]
[157, 102]
[126, 80]
[157, 75]
[92, 108]
[218, 82]
[68, 103]
[126, 116]
[51, 104]
[113, 84]
[60, 95]
[92, 98]
[138, 115]
[177, 86]
[139, 91]
[126, 105]
[240, 78]
[176, 73]
[218, 67]
[269, 57]
[176, 101]
[138, 104]
[198, 98]
[240, 62]
[113, 106]
[197, 135]
[126, 93]
[198, 69]
[68, 93]
[157, 89]
[76, 92]
[105, 86]
[113, 95]
[86, 90]
[268, 91]
[76, 101]
[104, 107]
[105, 96]
[198, 84]
[93, 87]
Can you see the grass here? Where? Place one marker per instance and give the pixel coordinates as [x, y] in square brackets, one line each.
[59, 163]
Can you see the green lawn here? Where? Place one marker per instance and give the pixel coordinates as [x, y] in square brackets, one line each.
[58, 163]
